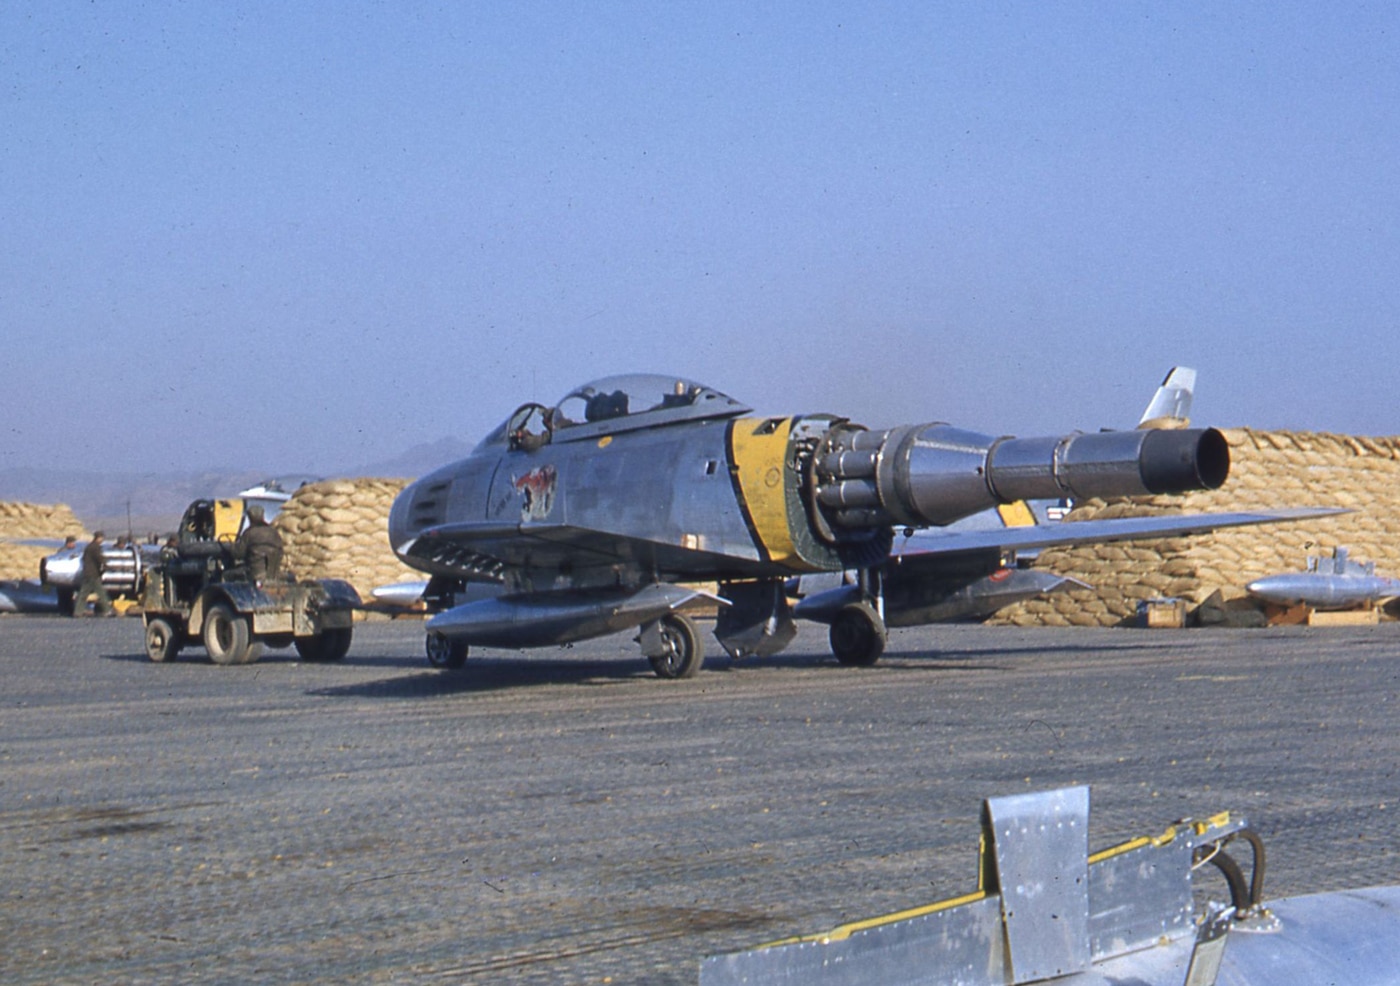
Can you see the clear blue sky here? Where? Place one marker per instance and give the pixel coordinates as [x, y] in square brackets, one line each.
[303, 237]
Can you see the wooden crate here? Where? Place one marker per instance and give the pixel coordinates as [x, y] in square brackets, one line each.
[1154, 613]
[1344, 617]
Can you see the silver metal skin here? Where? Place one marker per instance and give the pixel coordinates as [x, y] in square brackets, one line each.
[273, 493]
[1041, 848]
[655, 503]
[122, 571]
[1170, 406]
[1048, 912]
[401, 594]
[976, 601]
[931, 581]
[585, 514]
[1323, 591]
[537, 619]
[23, 596]
[1329, 583]
[927, 475]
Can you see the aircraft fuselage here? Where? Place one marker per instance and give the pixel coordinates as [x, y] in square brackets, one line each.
[579, 509]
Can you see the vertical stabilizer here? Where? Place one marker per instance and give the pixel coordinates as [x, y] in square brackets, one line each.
[1170, 407]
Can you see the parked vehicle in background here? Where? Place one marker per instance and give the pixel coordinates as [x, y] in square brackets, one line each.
[201, 592]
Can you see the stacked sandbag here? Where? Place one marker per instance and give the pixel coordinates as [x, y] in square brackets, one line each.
[1269, 470]
[339, 529]
[1120, 573]
[32, 520]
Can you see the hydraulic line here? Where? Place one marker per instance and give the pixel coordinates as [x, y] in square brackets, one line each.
[1244, 896]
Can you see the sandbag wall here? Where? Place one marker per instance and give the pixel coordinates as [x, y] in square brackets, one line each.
[1269, 470]
[339, 529]
[32, 520]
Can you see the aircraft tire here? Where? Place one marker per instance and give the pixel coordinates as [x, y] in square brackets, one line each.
[685, 651]
[328, 645]
[444, 652]
[858, 635]
[162, 644]
[226, 636]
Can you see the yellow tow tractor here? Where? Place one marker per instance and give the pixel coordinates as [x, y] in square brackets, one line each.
[199, 592]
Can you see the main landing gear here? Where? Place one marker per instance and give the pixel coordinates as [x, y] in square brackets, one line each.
[858, 635]
[673, 646]
[444, 652]
[858, 632]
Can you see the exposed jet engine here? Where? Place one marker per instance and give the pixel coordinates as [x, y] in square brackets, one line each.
[934, 474]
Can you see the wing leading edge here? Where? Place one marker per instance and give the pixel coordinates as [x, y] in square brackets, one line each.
[933, 542]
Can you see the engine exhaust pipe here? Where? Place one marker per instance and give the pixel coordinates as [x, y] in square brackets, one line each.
[934, 474]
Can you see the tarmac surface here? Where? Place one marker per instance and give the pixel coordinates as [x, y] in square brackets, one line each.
[565, 817]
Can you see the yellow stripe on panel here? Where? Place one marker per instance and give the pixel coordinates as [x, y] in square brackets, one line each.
[757, 449]
[1016, 514]
[228, 518]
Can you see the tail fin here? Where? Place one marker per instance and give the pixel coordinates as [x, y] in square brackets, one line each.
[1170, 407]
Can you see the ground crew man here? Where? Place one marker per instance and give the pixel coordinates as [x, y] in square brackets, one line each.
[260, 547]
[91, 583]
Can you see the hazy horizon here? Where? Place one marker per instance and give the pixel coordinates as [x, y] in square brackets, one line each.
[297, 238]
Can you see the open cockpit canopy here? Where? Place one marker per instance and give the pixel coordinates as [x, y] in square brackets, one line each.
[614, 404]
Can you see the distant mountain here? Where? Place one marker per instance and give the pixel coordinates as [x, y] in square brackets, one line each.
[154, 501]
[418, 460]
[105, 499]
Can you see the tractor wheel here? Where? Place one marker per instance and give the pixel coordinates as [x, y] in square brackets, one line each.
[858, 635]
[226, 636]
[328, 645]
[444, 652]
[685, 651]
[162, 644]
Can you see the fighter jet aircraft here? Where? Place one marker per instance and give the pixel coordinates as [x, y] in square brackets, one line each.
[600, 513]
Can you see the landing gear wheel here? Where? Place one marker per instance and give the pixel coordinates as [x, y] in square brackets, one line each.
[444, 652]
[685, 651]
[226, 637]
[161, 642]
[328, 645]
[858, 635]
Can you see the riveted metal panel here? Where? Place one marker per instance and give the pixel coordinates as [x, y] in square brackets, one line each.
[1139, 897]
[961, 946]
[1041, 845]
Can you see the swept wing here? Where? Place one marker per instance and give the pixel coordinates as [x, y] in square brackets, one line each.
[934, 542]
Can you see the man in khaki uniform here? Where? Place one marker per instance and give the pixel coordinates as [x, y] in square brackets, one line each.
[91, 581]
[260, 547]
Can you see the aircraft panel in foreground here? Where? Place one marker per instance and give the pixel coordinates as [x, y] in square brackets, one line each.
[1045, 910]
